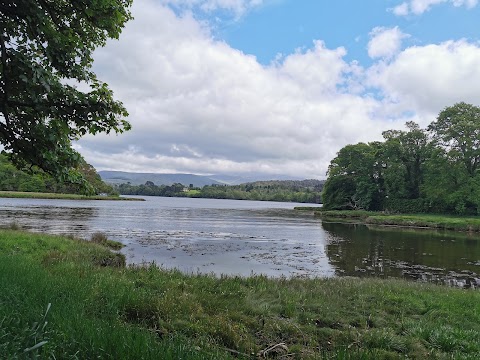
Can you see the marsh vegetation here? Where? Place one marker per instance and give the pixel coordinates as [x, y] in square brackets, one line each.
[100, 308]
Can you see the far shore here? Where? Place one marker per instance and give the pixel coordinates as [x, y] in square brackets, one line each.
[430, 221]
[39, 195]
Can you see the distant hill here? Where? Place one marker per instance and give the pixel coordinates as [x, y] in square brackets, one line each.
[122, 177]
[302, 191]
[249, 178]
[311, 184]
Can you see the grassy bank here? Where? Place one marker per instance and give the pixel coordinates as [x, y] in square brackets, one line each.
[427, 221]
[307, 208]
[100, 309]
[443, 222]
[345, 214]
[37, 195]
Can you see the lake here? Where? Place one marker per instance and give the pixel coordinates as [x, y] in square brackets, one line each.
[250, 237]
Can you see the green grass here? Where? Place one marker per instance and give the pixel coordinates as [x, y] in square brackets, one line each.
[429, 221]
[38, 195]
[346, 214]
[443, 222]
[307, 208]
[100, 309]
[100, 238]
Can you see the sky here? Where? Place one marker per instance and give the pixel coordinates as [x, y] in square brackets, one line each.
[279, 86]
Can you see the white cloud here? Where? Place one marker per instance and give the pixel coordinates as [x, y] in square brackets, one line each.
[427, 78]
[217, 105]
[198, 105]
[469, 4]
[237, 7]
[401, 10]
[385, 42]
[418, 7]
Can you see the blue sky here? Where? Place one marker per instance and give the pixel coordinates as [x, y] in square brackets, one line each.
[279, 86]
[284, 26]
[289, 25]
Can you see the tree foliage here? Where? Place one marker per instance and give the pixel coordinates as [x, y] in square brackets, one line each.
[305, 191]
[353, 178]
[457, 131]
[46, 46]
[13, 179]
[404, 156]
[418, 170]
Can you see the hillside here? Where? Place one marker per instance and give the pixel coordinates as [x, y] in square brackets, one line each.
[305, 191]
[250, 178]
[123, 177]
[311, 184]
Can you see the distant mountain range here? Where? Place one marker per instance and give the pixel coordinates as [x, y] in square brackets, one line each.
[123, 177]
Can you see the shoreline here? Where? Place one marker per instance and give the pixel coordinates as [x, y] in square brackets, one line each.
[38, 195]
[421, 221]
[140, 312]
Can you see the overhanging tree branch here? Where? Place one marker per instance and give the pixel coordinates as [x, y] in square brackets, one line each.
[41, 115]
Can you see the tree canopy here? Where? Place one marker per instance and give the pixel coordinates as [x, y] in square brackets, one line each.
[46, 46]
[304, 191]
[13, 179]
[419, 170]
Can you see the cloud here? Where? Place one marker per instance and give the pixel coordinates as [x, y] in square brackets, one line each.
[237, 7]
[216, 105]
[385, 42]
[402, 9]
[418, 7]
[427, 78]
[469, 4]
[198, 105]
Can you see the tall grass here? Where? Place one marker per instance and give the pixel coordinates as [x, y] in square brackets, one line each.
[149, 313]
[102, 239]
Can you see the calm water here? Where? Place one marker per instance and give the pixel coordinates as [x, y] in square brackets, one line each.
[249, 237]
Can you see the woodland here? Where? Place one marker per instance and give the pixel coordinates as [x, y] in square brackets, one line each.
[432, 170]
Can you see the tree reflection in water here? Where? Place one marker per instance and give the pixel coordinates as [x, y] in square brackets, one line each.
[423, 255]
[49, 219]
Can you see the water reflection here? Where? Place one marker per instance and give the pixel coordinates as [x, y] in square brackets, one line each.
[48, 218]
[245, 237]
[192, 235]
[422, 255]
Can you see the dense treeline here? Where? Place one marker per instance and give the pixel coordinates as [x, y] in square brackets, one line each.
[150, 189]
[305, 191]
[36, 180]
[433, 170]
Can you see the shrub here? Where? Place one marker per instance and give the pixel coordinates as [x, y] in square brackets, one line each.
[406, 206]
[99, 238]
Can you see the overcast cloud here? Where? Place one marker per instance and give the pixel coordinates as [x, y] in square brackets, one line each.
[197, 105]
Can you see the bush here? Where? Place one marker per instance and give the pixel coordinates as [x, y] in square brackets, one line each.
[99, 238]
[102, 239]
[407, 206]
